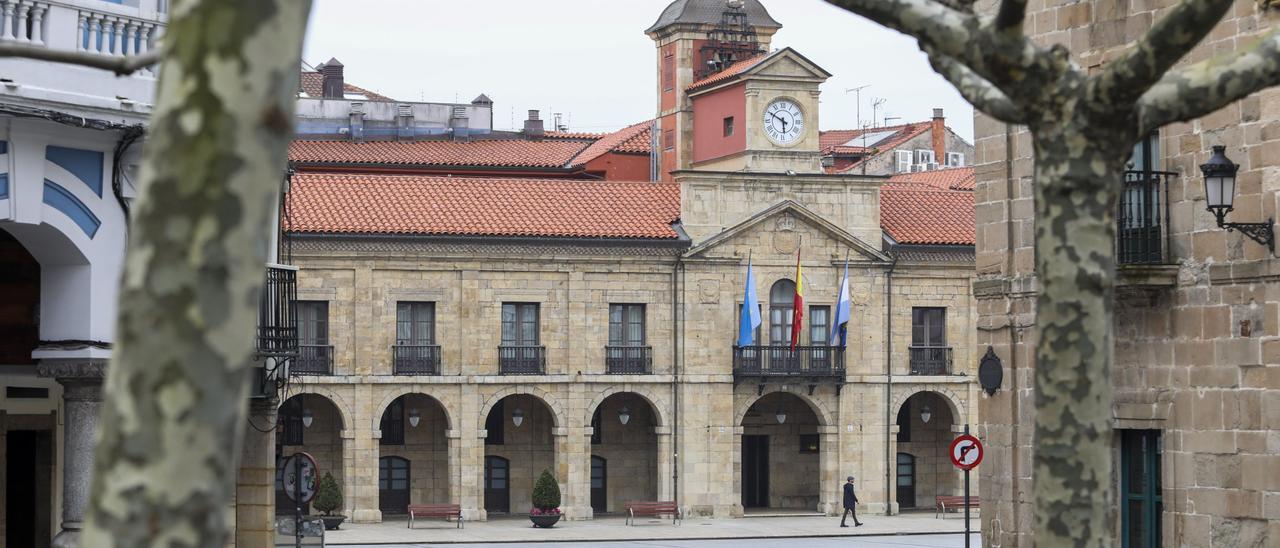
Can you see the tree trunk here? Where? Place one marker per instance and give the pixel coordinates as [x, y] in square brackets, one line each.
[176, 390]
[1078, 175]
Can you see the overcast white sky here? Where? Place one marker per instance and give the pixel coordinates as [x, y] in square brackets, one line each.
[591, 60]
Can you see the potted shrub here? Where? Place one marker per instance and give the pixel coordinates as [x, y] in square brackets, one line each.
[329, 498]
[546, 501]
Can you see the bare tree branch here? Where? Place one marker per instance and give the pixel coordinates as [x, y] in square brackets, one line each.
[1209, 85]
[983, 95]
[1124, 80]
[119, 65]
[1011, 15]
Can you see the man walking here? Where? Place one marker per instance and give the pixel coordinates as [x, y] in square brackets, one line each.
[850, 500]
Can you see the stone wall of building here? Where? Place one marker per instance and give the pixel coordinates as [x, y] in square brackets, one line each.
[1196, 336]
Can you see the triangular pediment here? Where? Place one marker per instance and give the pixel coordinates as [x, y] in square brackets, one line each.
[781, 229]
[787, 63]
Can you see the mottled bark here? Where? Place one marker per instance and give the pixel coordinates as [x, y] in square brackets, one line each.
[1083, 128]
[176, 392]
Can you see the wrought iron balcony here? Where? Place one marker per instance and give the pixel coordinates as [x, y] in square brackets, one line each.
[522, 360]
[930, 360]
[1142, 231]
[628, 360]
[817, 362]
[416, 359]
[313, 359]
[277, 317]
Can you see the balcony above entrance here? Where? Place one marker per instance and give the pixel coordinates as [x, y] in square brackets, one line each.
[811, 364]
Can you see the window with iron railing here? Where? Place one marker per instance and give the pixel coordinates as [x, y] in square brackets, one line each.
[315, 354]
[416, 352]
[627, 352]
[930, 354]
[1142, 219]
[521, 352]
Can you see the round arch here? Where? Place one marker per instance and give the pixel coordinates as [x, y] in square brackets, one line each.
[401, 391]
[558, 415]
[946, 395]
[659, 413]
[820, 410]
[338, 402]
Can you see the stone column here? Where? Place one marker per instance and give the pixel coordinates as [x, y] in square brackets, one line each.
[829, 499]
[665, 486]
[360, 470]
[470, 482]
[572, 473]
[256, 482]
[81, 400]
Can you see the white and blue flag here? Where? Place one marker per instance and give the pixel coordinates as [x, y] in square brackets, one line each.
[844, 309]
[750, 311]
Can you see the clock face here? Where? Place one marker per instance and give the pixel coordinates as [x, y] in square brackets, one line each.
[783, 122]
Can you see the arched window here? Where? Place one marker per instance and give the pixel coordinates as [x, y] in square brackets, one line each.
[781, 309]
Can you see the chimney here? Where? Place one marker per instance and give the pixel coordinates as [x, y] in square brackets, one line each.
[356, 122]
[939, 134]
[533, 126]
[332, 85]
[460, 124]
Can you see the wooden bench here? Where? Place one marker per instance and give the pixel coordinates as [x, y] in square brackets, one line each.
[445, 511]
[654, 508]
[943, 503]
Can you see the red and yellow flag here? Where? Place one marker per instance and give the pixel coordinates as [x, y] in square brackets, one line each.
[797, 315]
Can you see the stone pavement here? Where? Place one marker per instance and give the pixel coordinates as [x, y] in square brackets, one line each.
[519, 529]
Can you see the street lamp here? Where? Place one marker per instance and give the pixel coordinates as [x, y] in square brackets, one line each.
[1220, 192]
[414, 418]
[624, 415]
[307, 419]
[780, 415]
[926, 414]
[517, 417]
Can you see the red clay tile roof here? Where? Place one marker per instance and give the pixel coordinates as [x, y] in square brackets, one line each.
[573, 135]
[905, 132]
[914, 213]
[956, 178]
[729, 72]
[632, 139]
[483, 153]
[429, 205]
[313, 85]
[831, 140]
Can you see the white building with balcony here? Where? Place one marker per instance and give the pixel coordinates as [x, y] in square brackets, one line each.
[68, 155]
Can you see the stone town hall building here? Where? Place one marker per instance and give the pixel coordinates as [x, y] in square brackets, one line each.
[466, 323]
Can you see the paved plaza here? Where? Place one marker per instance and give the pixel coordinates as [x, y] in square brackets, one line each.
[612, 530]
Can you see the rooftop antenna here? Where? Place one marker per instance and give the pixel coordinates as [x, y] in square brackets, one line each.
[887, 118]
[858, 97]
[876, 103]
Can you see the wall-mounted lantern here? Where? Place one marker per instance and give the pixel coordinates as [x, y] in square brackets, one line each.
[1220, 193]
[781, 416]
[624, 415]
[414, 418]
[517, 417]
[926, 414]
[307, 418]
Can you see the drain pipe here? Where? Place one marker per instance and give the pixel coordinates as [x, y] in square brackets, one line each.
[676, 275]
[888, 375]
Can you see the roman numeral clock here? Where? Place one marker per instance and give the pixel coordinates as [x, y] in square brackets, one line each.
[783, 122]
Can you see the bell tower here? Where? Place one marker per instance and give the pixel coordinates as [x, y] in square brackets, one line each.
[696, 39]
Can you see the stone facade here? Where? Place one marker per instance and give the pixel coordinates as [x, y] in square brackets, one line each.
[1197, 352]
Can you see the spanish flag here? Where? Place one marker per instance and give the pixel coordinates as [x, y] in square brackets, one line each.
[797, 316]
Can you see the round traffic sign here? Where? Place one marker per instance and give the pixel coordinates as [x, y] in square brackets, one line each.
[966, 452]
[299, 489]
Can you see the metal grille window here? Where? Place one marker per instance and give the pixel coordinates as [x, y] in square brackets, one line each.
[626, 325]
[519, 324]
[928, 326]
[393, 424]
[415, 324]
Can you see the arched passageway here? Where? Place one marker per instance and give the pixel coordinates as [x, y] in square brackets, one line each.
[308, 423]
[781, 457]
[517, 448]
[624, 452]
[922, 469]
[413, 463]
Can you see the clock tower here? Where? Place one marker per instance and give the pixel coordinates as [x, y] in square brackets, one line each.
[696, 39]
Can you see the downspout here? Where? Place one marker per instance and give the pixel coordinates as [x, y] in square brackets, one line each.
[1013, 327]
[677, 273]
[888, 375]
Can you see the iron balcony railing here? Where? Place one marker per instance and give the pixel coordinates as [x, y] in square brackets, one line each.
[782, 361]
[930, 360]
[628, 360]
[1142, 231]
[522, 360]
[313, 359]
[277, 314]
[420, 359]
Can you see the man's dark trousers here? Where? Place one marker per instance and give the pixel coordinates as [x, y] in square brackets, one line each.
[850, 500]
